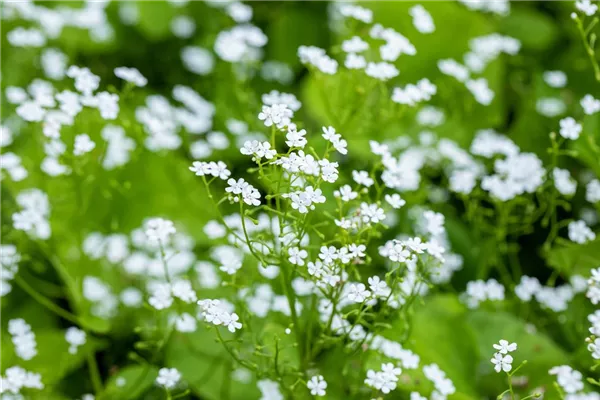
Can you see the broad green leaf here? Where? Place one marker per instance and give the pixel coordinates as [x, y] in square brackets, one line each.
[440, 334]
[534, 29]
[53, 360]
[206, 366]
[540, 351]
[572, 258]
[130, 382]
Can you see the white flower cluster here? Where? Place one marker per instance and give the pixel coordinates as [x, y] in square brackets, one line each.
[502, 360]
[422, 19]
[162, 293]
[594, 339]
[17, 378]
[99, 293]
[9, 266]
[569, 380]
[23, 338]
[34, 214]
[580, 233]
[385, 380]
[443, 385]
[51, 20]
[318, 58]
[162, 121]
[500, 7]
[118, 147]
[554, 298]
[413, 94]
[76, 338]
[269, 390]
[242, 43]
[479, 291]
[586, 7]
[218, 313]
[11, 163]
[241, 189]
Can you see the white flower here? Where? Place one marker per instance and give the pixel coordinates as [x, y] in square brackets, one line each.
[502, 363]
[345, 193]
[358, 293]
[168, 377]
[480, 90]
[132, 75]
[75, 337]
[297, 255]
[395, 200]
[328, 254]
[527, 288]
[362, 178]
[555, 79]
[295, 138]
[371, 213]
[159, 230]
[589, 104]
[355, 61]
[592, 191]
[378, 287]
[258, 150]
[382, 71]
[580, 233]
[422, 19]
[504, 347]
[83, 144]
[317, 385]
[586, 7]
[359, 13]
[231, 322]
[354, 45]
[568, 379]
[563, 182]
[569, 128]
[277, 114]
[23, 338]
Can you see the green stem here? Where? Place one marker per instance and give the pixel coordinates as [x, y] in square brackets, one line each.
[47, 303]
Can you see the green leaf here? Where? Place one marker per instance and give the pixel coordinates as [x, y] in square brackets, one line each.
[441, 335]
[540, 351]
[573, 258]
[53, 360]
[155, 19]
[206, 366]
[137, 380]
[535, 30]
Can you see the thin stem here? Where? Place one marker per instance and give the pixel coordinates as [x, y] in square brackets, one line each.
[47, 303]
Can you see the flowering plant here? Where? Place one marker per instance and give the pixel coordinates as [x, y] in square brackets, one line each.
[192, 230]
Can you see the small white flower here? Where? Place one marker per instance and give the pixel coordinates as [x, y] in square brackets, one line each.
[159, 230]
[362, 178]
[297, 255]
[504, 347]
[358, 293]
[75, 337]
[132, 75]
[580, 233]
[569, 128]
[168, 377]
[502, 363]
[395, 200]
[317, 385]
[345, 193]
[83, 144]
